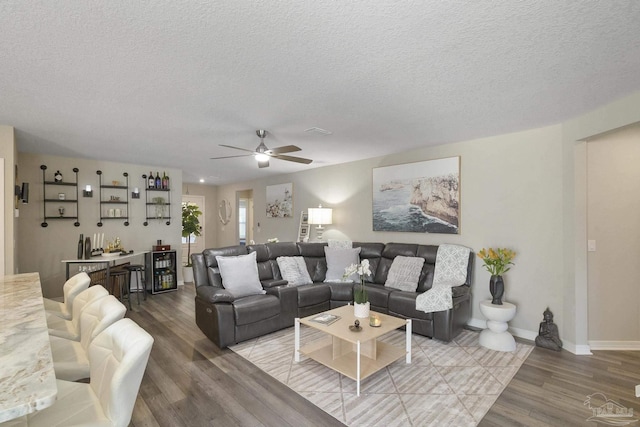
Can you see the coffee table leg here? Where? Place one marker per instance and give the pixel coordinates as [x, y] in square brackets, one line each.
[408, 345]
[358, 368]
[296, 355]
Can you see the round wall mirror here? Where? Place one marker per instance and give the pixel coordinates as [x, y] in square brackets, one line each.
[224, 211]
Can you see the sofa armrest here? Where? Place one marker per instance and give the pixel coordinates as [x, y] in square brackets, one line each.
[272, 283]
[212, 294]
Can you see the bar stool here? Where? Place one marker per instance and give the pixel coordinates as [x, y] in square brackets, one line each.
[138, 270]
[120, 277]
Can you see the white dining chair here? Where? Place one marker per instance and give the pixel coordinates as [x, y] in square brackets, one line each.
[70, 329]
[118, 357]
[70, 290]
[71, 358]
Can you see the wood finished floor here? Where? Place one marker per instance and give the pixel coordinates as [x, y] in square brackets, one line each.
[191, 382]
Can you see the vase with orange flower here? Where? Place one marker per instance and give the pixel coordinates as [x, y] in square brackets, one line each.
[497, 262]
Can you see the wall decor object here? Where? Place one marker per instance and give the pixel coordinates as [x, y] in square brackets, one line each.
[420, 197]
[280, 201]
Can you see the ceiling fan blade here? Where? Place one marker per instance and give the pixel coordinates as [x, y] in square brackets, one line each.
[264, 164]
[292, 159]
[236, 148]
[285, 149]
[230, 157]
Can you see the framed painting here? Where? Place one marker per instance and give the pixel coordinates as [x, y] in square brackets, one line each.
[420, 197]
[280, 200]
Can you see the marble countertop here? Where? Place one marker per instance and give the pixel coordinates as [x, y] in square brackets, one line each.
[27, 378]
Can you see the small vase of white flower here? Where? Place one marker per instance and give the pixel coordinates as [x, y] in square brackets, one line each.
[360, 301]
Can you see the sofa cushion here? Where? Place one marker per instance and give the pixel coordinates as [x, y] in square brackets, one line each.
[378, 295]
[405, 303]
[240, 275]
[341, 291]
[294, 270]
[309, 295]
[404, 273]
[255, 308]
[337, 261]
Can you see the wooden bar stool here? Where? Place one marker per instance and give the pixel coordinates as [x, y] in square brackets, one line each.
[120, 278]
[138, 270]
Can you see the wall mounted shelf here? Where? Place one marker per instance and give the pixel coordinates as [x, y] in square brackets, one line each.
[119, 201]
[157, 205]
[72, 204]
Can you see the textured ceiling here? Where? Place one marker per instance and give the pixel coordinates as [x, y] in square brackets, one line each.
[164, 82]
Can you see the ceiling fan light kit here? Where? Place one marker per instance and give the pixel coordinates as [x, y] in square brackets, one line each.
[262, 154]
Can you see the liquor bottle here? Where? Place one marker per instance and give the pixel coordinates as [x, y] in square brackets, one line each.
[152, 181]
[57, 177]
[80, 246]
[158, 181]
[164, 180]
[167, 182]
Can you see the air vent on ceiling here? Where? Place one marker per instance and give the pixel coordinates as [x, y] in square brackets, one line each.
[318, 130]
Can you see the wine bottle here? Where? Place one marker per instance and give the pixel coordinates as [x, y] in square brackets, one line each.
[80, 246]
[167, 182]
[164, 180]
[152, 181]
[158, 181]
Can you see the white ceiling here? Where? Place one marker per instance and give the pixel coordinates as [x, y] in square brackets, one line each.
[164, 82]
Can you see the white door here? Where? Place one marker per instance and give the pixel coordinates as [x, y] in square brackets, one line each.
[197, 243]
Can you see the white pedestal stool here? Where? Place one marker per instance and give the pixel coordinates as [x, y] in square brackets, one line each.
[496, 337]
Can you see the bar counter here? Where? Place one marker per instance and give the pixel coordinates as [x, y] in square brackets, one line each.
[27, 378]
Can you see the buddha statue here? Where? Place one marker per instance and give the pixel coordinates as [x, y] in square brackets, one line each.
[548, 336]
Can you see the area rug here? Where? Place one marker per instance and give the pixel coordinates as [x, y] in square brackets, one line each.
[446, 383]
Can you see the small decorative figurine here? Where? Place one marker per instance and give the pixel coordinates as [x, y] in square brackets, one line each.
[57, 177]
[548, 336]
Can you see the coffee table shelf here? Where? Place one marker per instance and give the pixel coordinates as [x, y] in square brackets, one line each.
[356, 355]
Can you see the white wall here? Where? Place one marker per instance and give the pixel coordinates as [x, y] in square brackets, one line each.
[511, 196]
[42, 248]
[8, 153]
[613, 212]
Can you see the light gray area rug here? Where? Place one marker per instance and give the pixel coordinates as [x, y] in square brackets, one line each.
[446, 383]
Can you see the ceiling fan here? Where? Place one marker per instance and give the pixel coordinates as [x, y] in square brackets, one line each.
[262, 153]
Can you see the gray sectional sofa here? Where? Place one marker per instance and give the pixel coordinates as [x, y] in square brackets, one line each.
[227, 320]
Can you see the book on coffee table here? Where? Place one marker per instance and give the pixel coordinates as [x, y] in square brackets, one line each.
[325, 318]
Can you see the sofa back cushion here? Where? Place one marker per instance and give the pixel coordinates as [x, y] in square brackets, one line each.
[265, 267]
[372, 252]
[313, 254]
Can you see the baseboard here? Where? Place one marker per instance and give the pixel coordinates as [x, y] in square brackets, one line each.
[579, 350]
[614, 345]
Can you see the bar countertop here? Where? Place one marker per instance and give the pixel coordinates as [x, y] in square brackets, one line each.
[27, 378]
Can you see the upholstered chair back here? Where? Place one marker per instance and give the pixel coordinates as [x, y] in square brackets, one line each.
[73, 287]
[314, 257]
[98, 316]
[83, 299]
[118, 357]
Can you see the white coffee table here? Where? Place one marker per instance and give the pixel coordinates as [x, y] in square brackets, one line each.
[356, 355]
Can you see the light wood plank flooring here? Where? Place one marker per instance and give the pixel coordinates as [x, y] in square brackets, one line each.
[190, 382]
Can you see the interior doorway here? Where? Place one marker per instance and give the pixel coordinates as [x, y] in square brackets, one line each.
[197, 242]
[244, 208]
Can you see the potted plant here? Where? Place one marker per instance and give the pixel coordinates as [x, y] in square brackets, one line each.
[190, 226]
[360, 301]
[497, 262]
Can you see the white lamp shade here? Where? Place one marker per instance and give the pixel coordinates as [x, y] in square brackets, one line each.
[320, 216]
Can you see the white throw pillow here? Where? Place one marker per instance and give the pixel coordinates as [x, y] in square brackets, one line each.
[294, 270]
[404, 273]
[240, 275]
[340, 244]
[338, 260]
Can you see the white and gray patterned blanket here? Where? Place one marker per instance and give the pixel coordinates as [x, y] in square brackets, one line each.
[450, 270]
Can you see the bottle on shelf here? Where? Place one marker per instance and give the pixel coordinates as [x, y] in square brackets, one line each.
[57, 177]
[165, 181]
[158, 181]
[151, 181]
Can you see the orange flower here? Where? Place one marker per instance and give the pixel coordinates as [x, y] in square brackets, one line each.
[497, 261]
